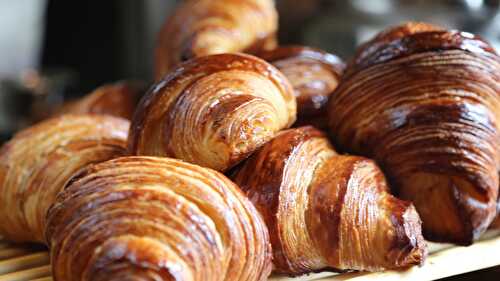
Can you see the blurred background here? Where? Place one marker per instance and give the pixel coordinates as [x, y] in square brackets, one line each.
[53, 50]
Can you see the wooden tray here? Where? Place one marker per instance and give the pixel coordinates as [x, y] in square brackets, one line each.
[28, 262]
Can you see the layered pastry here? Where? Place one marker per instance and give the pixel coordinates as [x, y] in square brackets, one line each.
[327, 211]
[424, 103]
[146, 218]
[39, 161]
[213, 111]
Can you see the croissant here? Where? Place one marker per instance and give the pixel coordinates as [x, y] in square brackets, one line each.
[147, 218]
[424, 102]
[37, 163]
[314, 75]
[205, 27]
[117, 99]
[213, 111]
[325, 210]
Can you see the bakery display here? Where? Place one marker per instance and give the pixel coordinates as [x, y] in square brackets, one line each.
[39, 161]
[423, 102]
[314, 75]
[146, 218]
[128, 184]
[204, 27]
[118, 99]
[328, 211]
[213, 111]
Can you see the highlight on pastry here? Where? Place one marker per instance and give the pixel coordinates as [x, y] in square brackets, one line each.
[118, 99]
[38, 161]
[213, 111]
[205, 27]
[328, 211]
[147, 218]
[314, 75]
[424, 103]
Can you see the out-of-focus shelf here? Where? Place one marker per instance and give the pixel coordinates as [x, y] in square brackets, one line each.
[21, 262]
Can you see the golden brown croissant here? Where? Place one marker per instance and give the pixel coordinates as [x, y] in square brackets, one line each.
[314, 74]
[147, 218]
[37, 163]
[205, 27]
[325, 210]
[424, 103]
[117, 99]
[213, 111]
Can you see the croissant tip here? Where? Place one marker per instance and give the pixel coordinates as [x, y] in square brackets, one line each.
[409, 242]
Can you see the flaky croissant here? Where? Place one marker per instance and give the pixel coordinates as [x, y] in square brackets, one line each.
[147, 218]
[325, 210]
[37, 163]
[117, 99]
[205, 27]
[425, 103]
[213, 111]
[314, 75]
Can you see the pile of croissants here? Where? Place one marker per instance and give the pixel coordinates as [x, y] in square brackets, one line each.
[222, 171]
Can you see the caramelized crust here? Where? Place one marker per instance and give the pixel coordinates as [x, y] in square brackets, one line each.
[325, 210]
[118, 99]
[426, 107]
[213, 111]
[146, 218]
[314, 75]
[205, 27]
[37, 163]
[414, 38]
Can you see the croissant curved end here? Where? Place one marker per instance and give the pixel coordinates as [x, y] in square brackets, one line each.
[206, 27]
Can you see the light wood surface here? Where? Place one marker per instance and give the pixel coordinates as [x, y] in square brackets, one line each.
[19, 263]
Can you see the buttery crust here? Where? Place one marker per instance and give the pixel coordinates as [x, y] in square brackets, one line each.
[314, 75]
[328, 211]
[425, 105]
[37, 163]
[213, 111]
[205, 27]
[117, 99]
[147, 218]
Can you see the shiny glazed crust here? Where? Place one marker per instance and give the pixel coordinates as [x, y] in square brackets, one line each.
[426, 106]
[328, 211]
[147, 218]
[37, 163]
[117, 99]
[314, 75]
[205, 27]
[213, 111]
